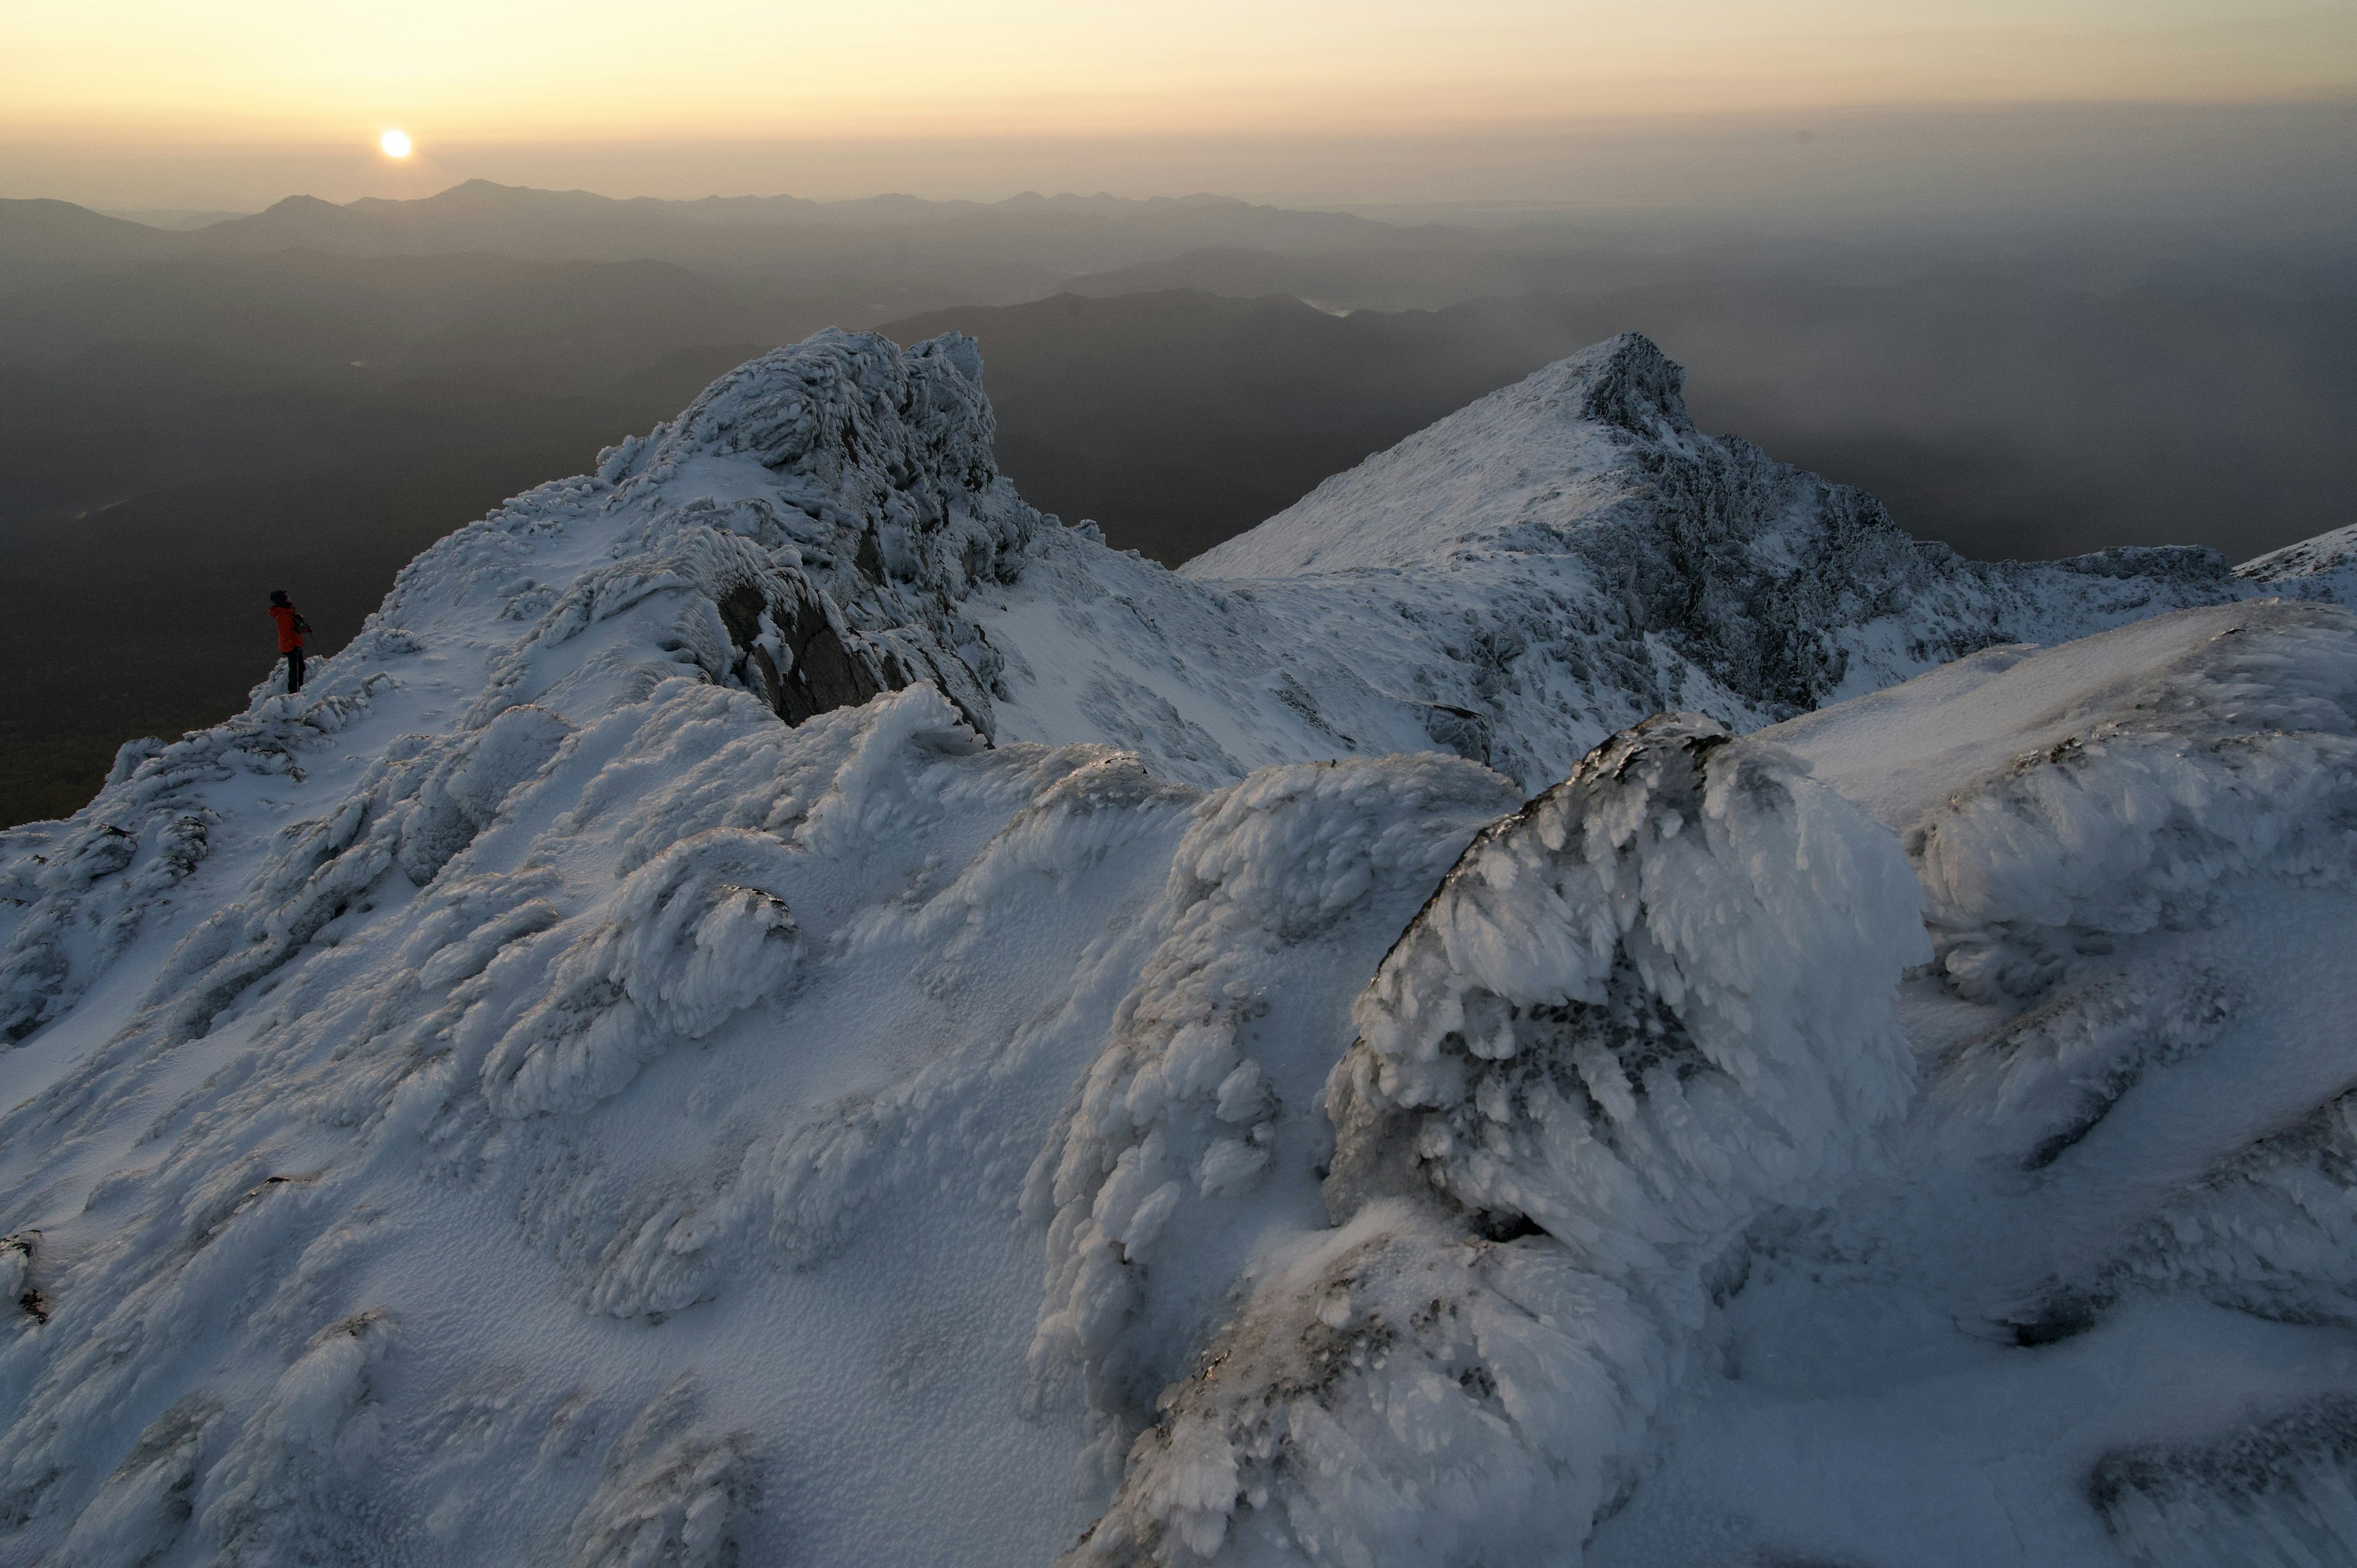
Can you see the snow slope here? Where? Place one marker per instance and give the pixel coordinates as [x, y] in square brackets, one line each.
[778, 1006]
[2324, 568]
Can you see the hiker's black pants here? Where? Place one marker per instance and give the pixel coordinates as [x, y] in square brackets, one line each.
[294, 668]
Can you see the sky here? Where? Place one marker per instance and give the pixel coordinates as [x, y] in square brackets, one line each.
[238, 101]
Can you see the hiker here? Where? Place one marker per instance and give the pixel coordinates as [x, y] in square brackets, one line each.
[292, 630]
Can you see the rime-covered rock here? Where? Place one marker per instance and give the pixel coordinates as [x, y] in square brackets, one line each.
[1638, 1015]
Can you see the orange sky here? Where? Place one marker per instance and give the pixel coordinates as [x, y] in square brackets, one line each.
[163, 79]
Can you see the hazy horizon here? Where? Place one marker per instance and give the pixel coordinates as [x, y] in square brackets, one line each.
[1833, 104]
[1862, 164]
[1846, 159]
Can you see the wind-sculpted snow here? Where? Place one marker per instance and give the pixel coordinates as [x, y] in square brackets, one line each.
[2130, 1151]
[1656, 990]
[777, 1004]
[482, 1046]
[2237, 759]
[686, 942]
[1197, 1121]
[296, 1485]
[2277, 1491]
[89, 886]
[1639, 1014]
[668, 1496]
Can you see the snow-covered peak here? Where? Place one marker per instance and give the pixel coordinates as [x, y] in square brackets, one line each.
[1599, 542]
[1528, 459]
[842, 409]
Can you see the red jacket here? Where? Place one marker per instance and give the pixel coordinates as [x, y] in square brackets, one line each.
[291, 627]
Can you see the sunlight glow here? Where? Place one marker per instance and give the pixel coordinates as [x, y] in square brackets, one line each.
[395, 144]
[284, 71]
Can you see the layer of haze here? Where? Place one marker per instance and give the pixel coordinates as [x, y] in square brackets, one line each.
[153, 103]
[602, 67]
[1782, 167]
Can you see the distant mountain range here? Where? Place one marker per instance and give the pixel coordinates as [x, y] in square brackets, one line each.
[1018, 244]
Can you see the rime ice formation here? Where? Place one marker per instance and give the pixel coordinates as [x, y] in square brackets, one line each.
[1640, 1015]
[1574, 998]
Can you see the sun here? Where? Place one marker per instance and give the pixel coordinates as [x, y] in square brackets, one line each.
[395, 144]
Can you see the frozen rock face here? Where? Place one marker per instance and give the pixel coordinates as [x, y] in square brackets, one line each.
[1653, 987]
[1701, 1169]
[833, 577]
[776, 1004]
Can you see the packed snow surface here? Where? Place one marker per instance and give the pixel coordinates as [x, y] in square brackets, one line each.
[1575, 998]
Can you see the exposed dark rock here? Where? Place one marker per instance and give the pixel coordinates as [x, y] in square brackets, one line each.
[2274, 1491]
[796, 657]
[29, 1298]
[741, 612]
[1461, 730]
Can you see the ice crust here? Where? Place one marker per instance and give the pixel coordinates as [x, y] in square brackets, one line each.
[778, 1005]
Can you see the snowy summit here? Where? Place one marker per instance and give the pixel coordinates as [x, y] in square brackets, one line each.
[1576, 998]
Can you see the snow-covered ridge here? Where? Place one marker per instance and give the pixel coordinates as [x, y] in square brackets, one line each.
[2324, 568]
[777, 1004]
[824, 524]
[1584, 507]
